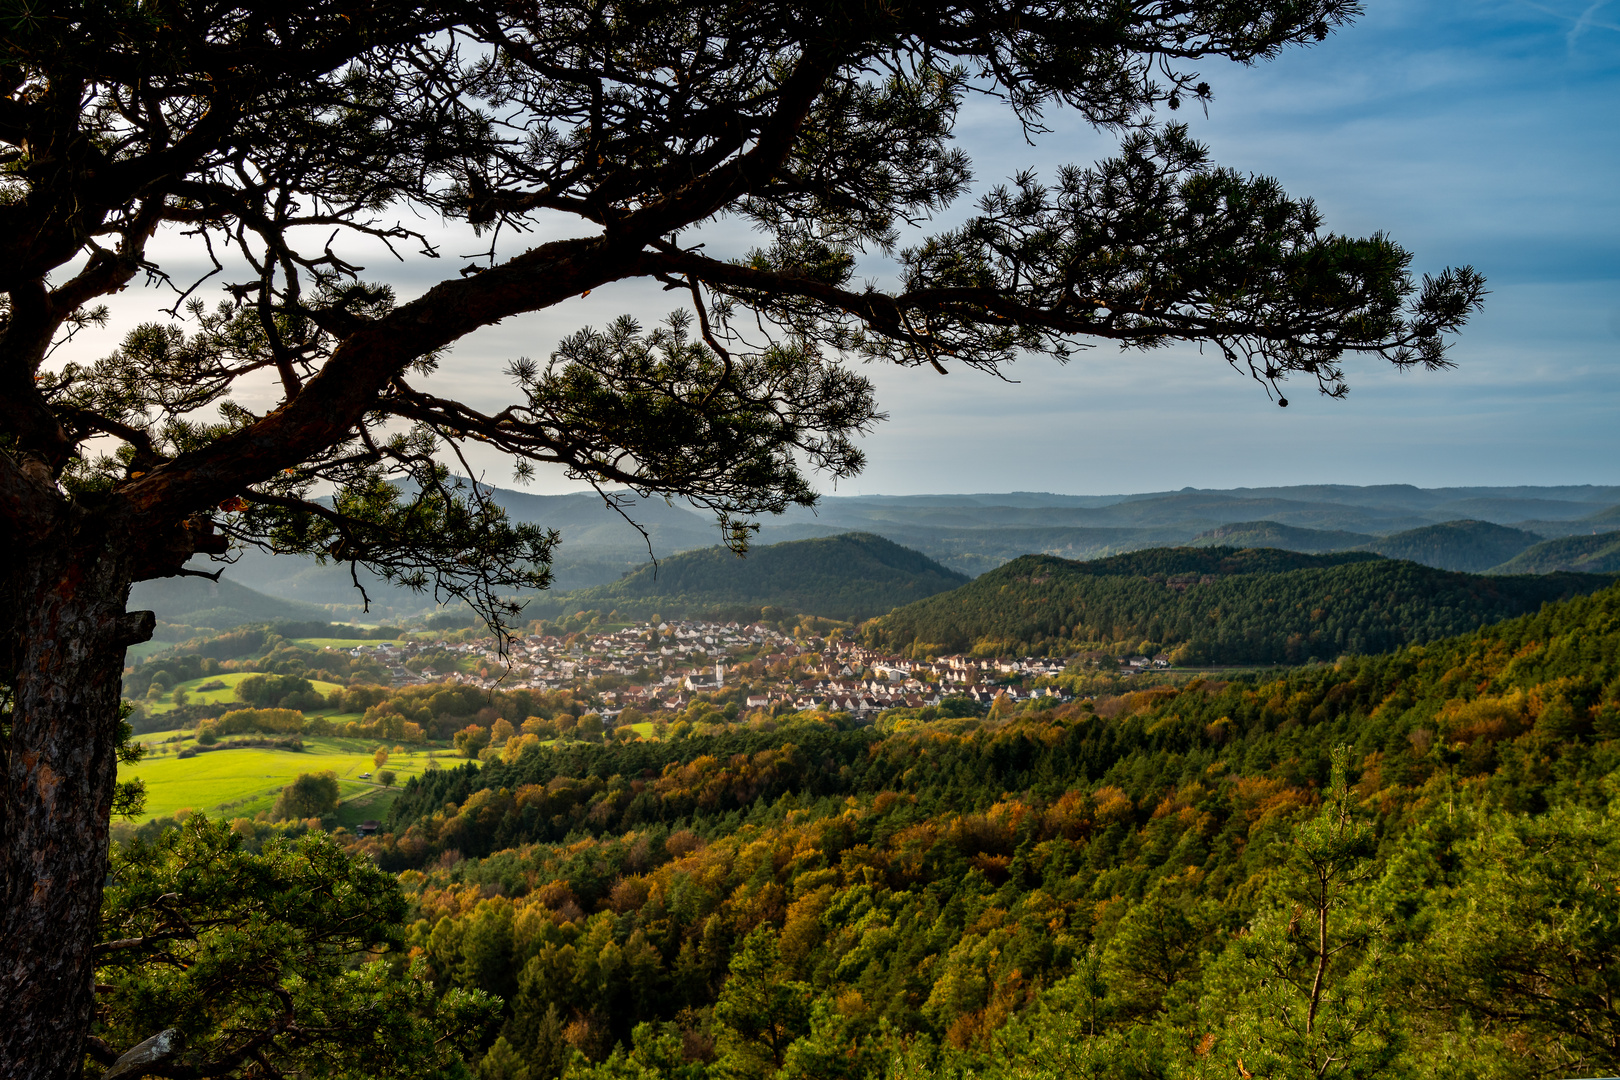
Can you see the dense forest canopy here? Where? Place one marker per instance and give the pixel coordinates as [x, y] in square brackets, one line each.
[1121, 887]
[1214, 605]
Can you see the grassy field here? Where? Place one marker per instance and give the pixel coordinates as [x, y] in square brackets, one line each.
[241, 782]
[225, 695]
[337, 643]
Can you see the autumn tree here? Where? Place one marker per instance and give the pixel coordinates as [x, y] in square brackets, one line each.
[270, 142]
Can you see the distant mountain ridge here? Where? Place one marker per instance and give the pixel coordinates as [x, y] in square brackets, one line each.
[852, 576]
[203, 604]
[1472, 547]
[1214, 605]
[974, 533]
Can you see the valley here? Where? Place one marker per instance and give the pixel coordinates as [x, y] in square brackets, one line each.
[946, 812]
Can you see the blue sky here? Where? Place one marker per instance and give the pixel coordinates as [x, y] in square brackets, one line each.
[1474, 132]
[1480, 133]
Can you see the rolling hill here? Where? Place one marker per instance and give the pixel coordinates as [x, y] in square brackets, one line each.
[217, 605]
[974, 533]
[1596, 554]
[1214, 605]
[1470, 546]
[1603, 521]
[1272, 534]
[851, 576]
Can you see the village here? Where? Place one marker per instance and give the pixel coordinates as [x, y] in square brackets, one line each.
[668, 665]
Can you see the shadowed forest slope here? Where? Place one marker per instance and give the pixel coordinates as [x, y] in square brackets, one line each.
[1599, 554]
[852, 576]
[1214, 605]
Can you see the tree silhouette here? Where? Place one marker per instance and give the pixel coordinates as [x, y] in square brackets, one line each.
[266, 133]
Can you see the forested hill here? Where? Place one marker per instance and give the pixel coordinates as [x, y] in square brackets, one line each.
[1273, 534]
[1599, 554]
[1472, 546]
[850, 576]
[1192, 563]
[191, 602]
[1050, 892]
[1214, 605]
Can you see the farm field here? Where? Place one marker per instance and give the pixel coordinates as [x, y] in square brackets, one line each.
[337, 643]
[223, 695]
[242, 782]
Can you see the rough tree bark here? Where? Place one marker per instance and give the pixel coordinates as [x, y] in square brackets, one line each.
[70, 589]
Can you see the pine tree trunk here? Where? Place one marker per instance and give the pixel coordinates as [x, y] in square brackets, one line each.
[60, 771]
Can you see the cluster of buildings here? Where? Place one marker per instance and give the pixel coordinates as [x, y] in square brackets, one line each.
[669, 665]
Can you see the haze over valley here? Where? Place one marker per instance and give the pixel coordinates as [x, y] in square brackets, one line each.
[1475, 529]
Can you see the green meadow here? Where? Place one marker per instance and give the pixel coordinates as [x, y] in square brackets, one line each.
[337, 643]
[223, 695]
[240, 782]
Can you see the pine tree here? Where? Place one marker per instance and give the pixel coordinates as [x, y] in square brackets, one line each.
[283, 137]
[1301, 994]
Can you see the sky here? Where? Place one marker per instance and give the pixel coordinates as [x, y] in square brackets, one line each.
[1479, 132]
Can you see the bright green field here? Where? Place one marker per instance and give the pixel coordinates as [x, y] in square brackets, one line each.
[246, 781]
[218, 697]
[337, 642]
[354, 643]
